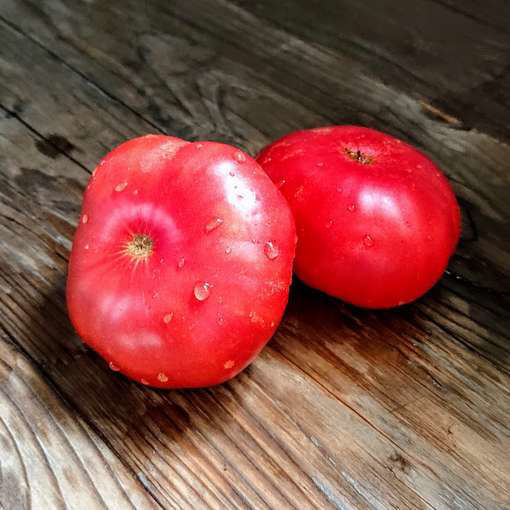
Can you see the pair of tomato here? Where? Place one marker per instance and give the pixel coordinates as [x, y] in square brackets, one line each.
[183, 257]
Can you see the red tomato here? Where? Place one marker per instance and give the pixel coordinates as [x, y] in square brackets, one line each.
[376, 219]
[181, 263]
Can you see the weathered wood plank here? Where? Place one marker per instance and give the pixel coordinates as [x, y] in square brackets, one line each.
[345, 408]
[51, 459]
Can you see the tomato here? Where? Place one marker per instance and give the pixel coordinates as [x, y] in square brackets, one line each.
[181, 262]
[377, 221]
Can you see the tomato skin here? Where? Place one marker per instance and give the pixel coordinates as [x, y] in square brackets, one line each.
[376, 227]
[205, 300]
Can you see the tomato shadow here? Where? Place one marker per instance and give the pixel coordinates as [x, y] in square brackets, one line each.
[372, 350]
[134, 421]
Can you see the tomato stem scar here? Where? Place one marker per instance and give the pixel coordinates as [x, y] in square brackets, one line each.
[359, 156]
[139, 248]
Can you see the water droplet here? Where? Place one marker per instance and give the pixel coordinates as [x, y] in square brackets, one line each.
[221, 319]
[143, 381]
[255, 318]
[240, 156]
[281, 183]
[199, 145]
[85, 218]
[181, 262]
[320, 163]
[155, 295]
[299, 192]
[135, 192]
[271, 250]
[162, 377]
[121, 187]
[351, 208]
[228, 250]
[229, 364]
[213, 224]
[368, 241]
[201, 290]
[113, 367]
[232, 174]
[339, 190]
[168, 317]
[267, 160]
[86, 246]
[329, 224]
[220, 300]
[273, 324]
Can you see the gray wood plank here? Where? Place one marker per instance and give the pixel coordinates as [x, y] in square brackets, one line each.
[344, 408]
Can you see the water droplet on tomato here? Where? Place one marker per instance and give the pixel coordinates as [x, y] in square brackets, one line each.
[162, 377]
[143, 381]
[221, 319]
[201, 290]
[85, 219]
[255, 318]
[228, 250]
[339, 190]
[181, 262]
[213, 224]
[86, 246]
[229, 364]
[351, 208]
[319, 164]
[199, 145]
[168, 317]
[368, 241]
[121, 187]
[329, 224]
[113, 367]
[135, 192]
[281, 184]
[232, 174]
[271, 250]
[240, 156]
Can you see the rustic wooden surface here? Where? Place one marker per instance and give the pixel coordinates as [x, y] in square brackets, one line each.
[344, 409]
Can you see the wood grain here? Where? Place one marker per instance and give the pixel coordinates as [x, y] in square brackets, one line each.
[345, 408]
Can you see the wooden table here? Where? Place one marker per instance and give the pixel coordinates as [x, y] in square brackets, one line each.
[345, 408]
